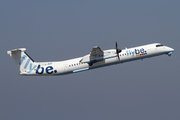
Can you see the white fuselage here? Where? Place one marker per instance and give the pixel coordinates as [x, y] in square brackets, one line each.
[74, 65]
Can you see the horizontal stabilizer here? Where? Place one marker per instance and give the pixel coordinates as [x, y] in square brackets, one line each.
[15, 50]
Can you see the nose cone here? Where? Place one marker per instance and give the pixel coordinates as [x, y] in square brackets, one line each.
[168, 49]
[171, 49]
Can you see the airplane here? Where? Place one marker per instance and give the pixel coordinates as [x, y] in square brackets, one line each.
[96, 59]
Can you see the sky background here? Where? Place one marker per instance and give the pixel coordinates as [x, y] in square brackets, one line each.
[64, 29]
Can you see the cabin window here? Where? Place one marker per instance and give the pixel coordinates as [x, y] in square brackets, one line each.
[159, 45]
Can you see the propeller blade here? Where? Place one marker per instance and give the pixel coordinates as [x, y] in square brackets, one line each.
[117, 51]
[118, 57]
[116, 48]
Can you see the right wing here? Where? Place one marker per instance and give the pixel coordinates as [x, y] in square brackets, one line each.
[96, 51]
[96, 55]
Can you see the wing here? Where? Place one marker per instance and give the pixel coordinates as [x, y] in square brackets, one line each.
[96, 55]
[96, 51]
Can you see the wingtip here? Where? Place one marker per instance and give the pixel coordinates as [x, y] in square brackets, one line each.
[95, 46]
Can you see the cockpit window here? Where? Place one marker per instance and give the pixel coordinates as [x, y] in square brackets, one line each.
[159, 45]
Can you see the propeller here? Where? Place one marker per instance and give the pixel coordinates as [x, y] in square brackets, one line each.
[117, 51]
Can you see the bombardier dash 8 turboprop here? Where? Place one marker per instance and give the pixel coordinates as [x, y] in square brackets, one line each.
[97, 58]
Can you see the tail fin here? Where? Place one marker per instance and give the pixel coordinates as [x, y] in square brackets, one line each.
[22, 59]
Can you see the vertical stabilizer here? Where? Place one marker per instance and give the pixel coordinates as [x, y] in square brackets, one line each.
[25, 63]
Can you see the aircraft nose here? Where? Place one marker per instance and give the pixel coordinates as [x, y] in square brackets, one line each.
[168, 49]
[171, 49]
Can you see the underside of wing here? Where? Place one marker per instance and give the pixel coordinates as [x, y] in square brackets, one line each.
[95, 55]
[96, 51]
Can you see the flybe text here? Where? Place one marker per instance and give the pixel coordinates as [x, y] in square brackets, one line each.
[32, 66]
[136, 52]
[48, 70]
